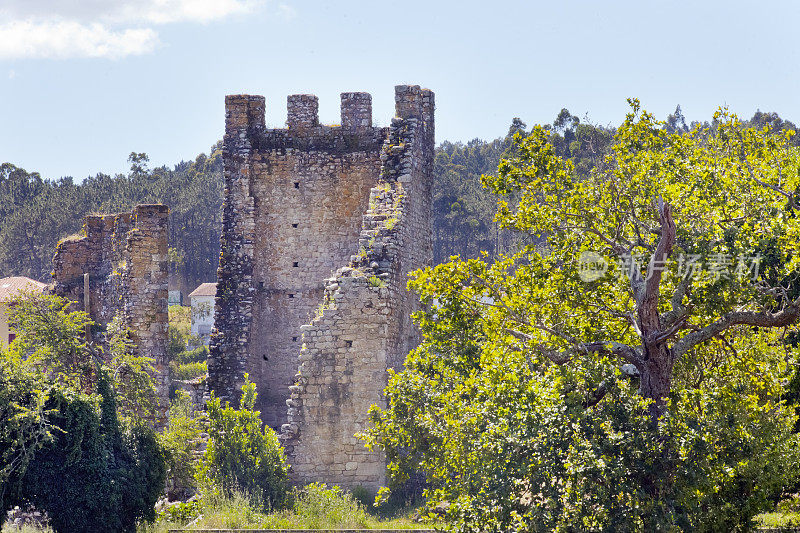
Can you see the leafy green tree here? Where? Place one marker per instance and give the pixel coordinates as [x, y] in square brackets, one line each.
[62, 446]
[181, 440]
[722, 197]
[24, 426]
[65, 452]
[52, 337]
[241, 454]
[95, 475]
[590, 381]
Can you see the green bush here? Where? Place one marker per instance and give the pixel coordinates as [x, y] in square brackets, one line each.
[24, 425]
[181, 512]
[176, 342]
[241, 456]
[197, 355]
[179, 330]
[180, 441]
[63, 448]
[189, 371]
[364, 497]
[319, 506]
[95, 475]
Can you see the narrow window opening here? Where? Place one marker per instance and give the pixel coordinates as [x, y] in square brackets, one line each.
[261, 285]
[295, 264]
[294, 225]
[265, 357]
[348, 344]
[296, 184]
[291, 295]
[294, 339]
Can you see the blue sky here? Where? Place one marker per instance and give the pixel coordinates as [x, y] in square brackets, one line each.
[85, 82]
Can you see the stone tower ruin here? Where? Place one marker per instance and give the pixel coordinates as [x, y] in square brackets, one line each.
[119, 268]
[321, 225]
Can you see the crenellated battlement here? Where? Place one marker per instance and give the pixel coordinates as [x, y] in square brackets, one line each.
[411, 101]
[356, 110]
[302, 111]
[247, 113]
[244, 111]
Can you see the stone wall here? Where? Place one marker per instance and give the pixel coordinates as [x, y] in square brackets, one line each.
[291, 215]
[364, 326]
[120, 268]
[97, 254]
[303, 204]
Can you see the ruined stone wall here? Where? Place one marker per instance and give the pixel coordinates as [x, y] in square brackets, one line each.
[321, 225]
[96, 253]
[125, 257]
[291, 215]
[364, 327]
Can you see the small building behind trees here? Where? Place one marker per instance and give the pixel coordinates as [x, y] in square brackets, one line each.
[9, 288]
[202, 302]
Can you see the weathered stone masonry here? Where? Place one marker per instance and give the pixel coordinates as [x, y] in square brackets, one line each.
[120, 268]
[303, 204]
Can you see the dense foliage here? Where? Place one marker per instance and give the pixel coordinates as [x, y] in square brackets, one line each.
[181, 442]
[24, 425]
[187, 353]
[243, 455]
[95, 475]
[63, 447]
[51, 337]
[552, 393]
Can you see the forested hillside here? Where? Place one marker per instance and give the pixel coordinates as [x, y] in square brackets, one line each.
[36, 212]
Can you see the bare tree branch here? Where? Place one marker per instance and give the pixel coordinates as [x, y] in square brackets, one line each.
[662, 253]
[560, 357]
[785, 317]
[679, 313]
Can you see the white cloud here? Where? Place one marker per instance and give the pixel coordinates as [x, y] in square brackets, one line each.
[65, 39]
[127, 11]
[100, 28]
[12, 74]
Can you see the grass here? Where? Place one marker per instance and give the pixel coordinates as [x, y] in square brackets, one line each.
[197, 355]
[8, 528]
[778, 520]
[786, 514]
[315, 507]
[375, 281]
[189, 371]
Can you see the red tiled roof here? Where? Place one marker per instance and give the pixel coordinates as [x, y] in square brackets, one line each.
[9, 287]
[205, 289]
